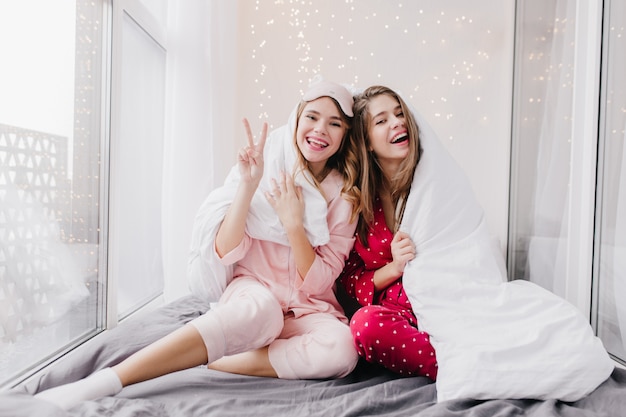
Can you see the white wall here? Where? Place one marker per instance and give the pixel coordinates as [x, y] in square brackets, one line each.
[453, 59]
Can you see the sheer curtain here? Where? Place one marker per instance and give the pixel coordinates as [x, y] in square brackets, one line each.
[577, 253]
[549, 213]
[199, 124]
[543, 110]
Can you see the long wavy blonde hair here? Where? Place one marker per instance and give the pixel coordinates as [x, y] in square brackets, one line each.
[372, 178]
[345, 161]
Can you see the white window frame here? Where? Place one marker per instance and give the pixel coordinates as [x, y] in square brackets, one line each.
[585, 114]
[135, 10]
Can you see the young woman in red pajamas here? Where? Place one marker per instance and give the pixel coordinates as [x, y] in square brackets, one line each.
[385, 329]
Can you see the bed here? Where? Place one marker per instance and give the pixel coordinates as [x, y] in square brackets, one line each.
[367, 391]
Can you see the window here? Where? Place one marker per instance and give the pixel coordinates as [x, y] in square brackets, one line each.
[610, 276]
[51, 136]
[542, 143]
[81, 167]
[136, 161]
[568, 183]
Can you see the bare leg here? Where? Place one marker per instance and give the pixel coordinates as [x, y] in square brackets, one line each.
[181, 349]
[255, 363]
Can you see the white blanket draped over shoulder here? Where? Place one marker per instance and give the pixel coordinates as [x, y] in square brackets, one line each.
[207, 276]
[493, 339]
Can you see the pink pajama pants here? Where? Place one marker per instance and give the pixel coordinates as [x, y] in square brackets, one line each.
[248, 317]
[385, 336]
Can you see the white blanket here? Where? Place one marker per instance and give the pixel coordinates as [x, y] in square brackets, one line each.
[207, 276]
[494, 339]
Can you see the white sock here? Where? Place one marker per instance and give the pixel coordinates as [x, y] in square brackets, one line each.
[100, 384]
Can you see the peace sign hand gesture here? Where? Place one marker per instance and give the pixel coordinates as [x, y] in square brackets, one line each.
[250, 157]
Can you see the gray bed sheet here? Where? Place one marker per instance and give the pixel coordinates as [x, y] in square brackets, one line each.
[368, 391]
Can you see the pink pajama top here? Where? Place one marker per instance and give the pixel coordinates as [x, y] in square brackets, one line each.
[274, 266]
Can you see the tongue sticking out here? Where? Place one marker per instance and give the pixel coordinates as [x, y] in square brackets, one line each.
[317, 143]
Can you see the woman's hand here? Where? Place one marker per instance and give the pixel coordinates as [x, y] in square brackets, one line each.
[250, 157]
[402, 251]
[286, 199]
[250, 161]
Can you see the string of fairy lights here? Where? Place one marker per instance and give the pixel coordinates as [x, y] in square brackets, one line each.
[439, 54]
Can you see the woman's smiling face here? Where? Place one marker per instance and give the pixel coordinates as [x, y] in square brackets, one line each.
[388, 135]
[320, 132]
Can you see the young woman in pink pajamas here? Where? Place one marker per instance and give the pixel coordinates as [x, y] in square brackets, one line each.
[278, 317]
[385, 329]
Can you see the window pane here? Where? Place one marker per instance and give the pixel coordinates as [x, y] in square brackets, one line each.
[136, 190]
[50, 114]
[612, 207]
[542, 142]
